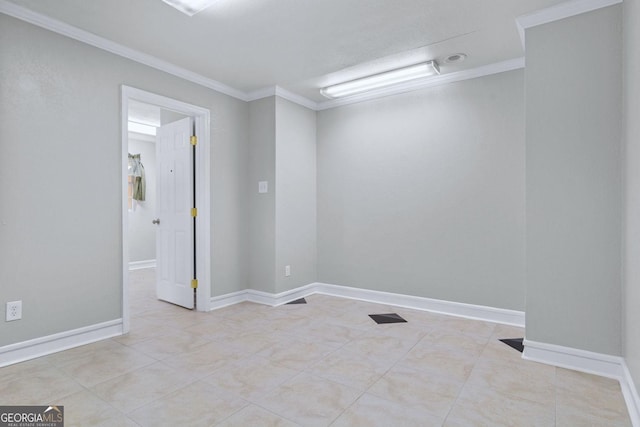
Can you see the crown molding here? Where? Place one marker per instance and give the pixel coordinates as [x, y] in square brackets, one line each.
[75, 33]
[558, 12]
[498, 67]
[543, 16]
[282, 93]
[295, 98]
[265, 92]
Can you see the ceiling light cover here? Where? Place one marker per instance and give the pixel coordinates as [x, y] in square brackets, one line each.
[190, 7]
[377, 81]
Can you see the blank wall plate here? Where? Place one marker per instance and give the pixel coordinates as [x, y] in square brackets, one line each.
[14, 311]
[287, 270]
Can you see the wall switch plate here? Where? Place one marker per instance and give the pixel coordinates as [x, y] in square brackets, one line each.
[263, 187]
[287, 270]
[14, 311]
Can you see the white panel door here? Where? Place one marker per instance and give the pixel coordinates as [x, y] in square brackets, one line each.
[175, 233]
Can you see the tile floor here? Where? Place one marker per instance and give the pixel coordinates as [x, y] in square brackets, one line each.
[316, 364]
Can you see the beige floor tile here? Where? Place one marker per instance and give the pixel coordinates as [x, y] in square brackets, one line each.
[372, 411]
[410, 333]
[43, 386]
[419, 389]
[499, 351]
[195, 405]
[100, 366]
[569, 379]
[255, 416]
[254, 341]
[596, 398]
[250, 377]
[296, 353]
[140, 387]
[469, 344]
[571, 417]
[467, 326]
[177, 317]
[86, 409]
[350, 369]
[440, 361]
[204, 361]
[378, 346]
[24, 370]
[119, 421]
[142, 329]
[216, 329]
[68, 356]
[328, 333]
[526, 380]
[309, 400]
[246, 314]
[354, 372]
[485, 407]
[172, 343]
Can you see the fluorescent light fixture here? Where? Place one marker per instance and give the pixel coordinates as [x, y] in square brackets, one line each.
[377, 81]
[142, 128]
[190, 7]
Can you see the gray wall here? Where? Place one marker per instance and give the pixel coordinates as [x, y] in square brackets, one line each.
[295, 195]
[60, 179]
[573, 104]
[631, 337]
[262, 164]
[283, 221]
[423, 193]
[142, 233]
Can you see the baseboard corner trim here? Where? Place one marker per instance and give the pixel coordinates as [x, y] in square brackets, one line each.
[225, 300]
[37, 347]
[589, 362]
[275, 300]
[630, 393]
[469, 311]
[604, 365]
[139, 265]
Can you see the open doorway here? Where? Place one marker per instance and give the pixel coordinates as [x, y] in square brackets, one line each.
[144, 114]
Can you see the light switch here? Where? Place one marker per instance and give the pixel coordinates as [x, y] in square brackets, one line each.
[263, 187]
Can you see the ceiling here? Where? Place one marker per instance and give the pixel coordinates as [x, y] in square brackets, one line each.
[303, 45]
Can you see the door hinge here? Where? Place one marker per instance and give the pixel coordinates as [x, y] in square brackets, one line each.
[194, 212]
[194, 284]
[194, 140]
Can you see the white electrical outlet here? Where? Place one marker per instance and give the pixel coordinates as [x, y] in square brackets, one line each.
[287, 270]
[14, 310]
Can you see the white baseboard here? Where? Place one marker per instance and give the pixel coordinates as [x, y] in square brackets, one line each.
[592, 363]
[571, 358]
[281, 298]
[139, 265]
[630, 393]
[261, 297]
[227, 300]
[26, 350]
[470, 311]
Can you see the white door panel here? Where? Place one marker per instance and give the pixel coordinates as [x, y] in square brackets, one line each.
[174, 235]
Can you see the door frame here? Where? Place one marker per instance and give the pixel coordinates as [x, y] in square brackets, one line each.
[201, 118]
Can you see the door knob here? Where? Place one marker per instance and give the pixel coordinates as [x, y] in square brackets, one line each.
[156, 221]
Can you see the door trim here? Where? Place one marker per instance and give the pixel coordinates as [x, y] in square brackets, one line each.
[201, 118]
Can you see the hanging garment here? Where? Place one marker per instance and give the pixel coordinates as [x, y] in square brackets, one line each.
[136, 170]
